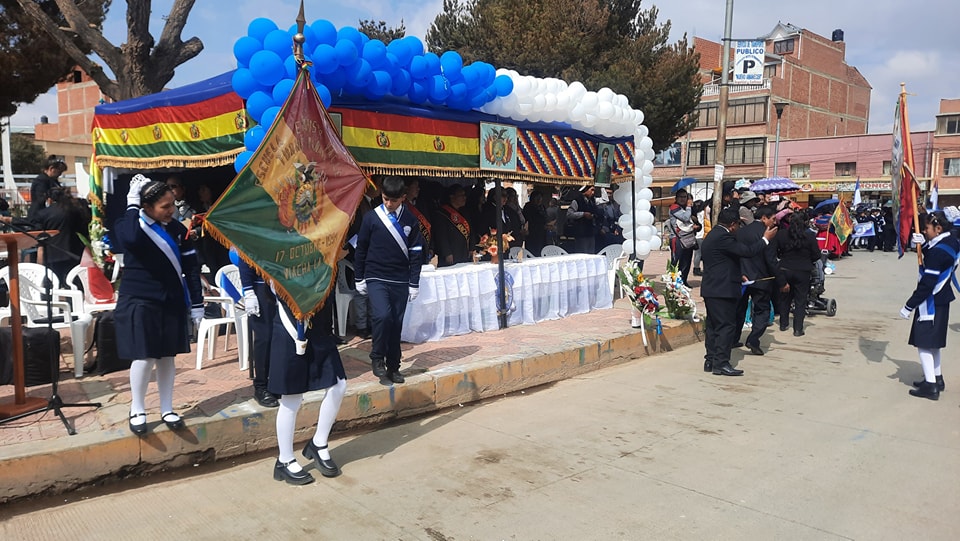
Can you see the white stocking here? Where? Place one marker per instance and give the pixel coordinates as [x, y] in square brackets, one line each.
[927, 362]
[328, 415]
[140, 371]
[286, 425]
[166, 370]
[936, 362]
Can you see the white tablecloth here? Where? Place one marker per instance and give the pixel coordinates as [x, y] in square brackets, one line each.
[463, 298]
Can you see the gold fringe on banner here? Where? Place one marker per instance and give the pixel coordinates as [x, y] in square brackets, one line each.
[446, 172]
[159, 162]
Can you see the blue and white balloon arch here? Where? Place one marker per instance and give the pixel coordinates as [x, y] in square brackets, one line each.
[346, 61]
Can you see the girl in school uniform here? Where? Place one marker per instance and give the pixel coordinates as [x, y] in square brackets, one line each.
[931, 300]
[159, 295]
[304, 357]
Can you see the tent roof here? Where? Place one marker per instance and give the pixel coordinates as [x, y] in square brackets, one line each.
[184, 95]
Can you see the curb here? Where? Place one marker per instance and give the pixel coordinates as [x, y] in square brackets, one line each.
[63, 464]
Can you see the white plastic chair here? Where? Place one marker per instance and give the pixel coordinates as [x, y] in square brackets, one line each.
[611, 252]
[209, 326]
[516, 250]
[77, 280]
[612, 273]
[551, 250]
[61, 316]
[344, 296]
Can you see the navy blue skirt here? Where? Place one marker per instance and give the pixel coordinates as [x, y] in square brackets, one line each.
[319, 368]
[930, 334]
[150, 330]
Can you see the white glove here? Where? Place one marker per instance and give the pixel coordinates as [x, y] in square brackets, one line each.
[918, 238]
[362, 287]
[251, 304]
[136, 184]
[414, 292]
[905, 312]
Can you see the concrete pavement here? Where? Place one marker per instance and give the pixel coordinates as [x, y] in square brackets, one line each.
[819, 440]
[37, 456]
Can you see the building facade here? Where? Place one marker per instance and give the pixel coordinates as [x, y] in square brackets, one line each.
[946, 153]
[69, 138]
[805, 75]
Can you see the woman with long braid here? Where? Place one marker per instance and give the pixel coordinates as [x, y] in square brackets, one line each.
[159, 295]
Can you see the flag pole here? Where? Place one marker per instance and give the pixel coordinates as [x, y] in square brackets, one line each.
[908, 165]
[299, 38]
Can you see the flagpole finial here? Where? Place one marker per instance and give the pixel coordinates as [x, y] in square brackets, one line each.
[299, 38]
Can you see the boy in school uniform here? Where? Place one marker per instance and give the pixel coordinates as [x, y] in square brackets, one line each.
[387, 268]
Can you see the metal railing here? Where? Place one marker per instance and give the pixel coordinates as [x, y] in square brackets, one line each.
[714, 89]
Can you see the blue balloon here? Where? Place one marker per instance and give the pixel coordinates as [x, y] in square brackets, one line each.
[258, 102]
[382, 81]
[234, 256]
[280, 42]
[267, 68]
[414, 45]
[393, 64]
[290, 67]
[244, 48]
[350, 34]
[360, 74]
[478, 100]
[438, 89]
[269, 116]
[400, 84]
[433, 63]
[471, 75]
[399, 49]
[254, 137]
[418, 92]
[451, 62]
[503, 85]
[375, 52]
[310, 38]
[244, 83]
[259, 28]
[347, 52]
[419, 68]
[490, 73]
[325, 59]
[458, 92]
[241, 160]
[325, 32]
[281, 91]
[325, 96]
[334, 81]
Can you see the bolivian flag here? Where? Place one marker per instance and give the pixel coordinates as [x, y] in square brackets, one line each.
[841, 222]
[288, 209]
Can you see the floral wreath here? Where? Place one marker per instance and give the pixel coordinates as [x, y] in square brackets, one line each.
[639, 289]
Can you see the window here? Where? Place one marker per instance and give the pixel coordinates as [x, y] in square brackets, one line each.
[948, 125]
[784, 46]
[701, 153]
[745, 150]
[845, 169]
[707, 114]
[747, 111]
[800, 170]
[887, 167]
[951, 167]
[668, 156]
[769, 71]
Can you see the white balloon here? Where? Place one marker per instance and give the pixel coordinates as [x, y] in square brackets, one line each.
[628, 233]
[577, 89]
[589, 100]
[643, 248]
[625, 221]
[623, 197]
[645, 143]
[643, 205]
[644, 218]
[645, 180]
[641, 129]
[589, 120]
[604, 110]
[539, 102]
[647, 167]
[645, 193]
[655, 242]
[605, 94]
[649, 154]
[628, 247]
[577, 114]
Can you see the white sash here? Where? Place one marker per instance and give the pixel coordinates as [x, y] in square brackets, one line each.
[167, 251]
[300, 341]
[382, 214]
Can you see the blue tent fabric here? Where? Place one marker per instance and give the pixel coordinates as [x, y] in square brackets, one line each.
[185, 95]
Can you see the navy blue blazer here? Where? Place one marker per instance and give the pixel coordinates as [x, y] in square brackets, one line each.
[937, 264]
[379, 256]
[147, 273]
[720, 253]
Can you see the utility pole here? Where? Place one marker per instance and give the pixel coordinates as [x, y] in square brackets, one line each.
[721, 149]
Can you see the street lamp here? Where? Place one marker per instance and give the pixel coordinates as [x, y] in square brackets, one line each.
[780, 106]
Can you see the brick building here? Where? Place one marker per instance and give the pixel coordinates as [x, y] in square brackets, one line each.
[946, 152]
[69, 138]
[823, 97]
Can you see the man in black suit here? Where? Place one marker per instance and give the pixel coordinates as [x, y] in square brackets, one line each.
[758, 269]
[720, 288]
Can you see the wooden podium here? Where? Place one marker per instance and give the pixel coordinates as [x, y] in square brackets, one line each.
[21, 403]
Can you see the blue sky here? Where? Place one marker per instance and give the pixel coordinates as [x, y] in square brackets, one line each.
[887, 41]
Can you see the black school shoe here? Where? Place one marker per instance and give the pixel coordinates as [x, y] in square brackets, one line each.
[265, 398]
[281, 472]
[327, 468]
[940, 384]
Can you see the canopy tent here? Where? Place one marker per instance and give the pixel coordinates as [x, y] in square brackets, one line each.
[203, 125]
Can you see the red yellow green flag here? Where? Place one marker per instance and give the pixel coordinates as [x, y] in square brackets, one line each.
[842, 223]
[288, 209]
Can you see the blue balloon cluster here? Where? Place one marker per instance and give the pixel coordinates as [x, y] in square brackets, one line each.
[347, 62]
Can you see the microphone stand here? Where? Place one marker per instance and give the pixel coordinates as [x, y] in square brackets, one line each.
[55, 403]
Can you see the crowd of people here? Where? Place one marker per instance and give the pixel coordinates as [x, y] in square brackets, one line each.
[763, 253]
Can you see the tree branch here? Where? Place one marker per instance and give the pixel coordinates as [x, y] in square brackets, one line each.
[94, 70]
[90, 34]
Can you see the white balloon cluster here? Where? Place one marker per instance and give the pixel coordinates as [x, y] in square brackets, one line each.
[603, 113]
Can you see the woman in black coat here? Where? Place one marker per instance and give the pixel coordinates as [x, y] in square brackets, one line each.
[159, 295]
[797, 250]
[930, 301]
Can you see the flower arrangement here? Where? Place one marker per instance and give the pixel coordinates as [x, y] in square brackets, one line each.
[99, 246]
[639, 289]
[676, 296]
[488, 243]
